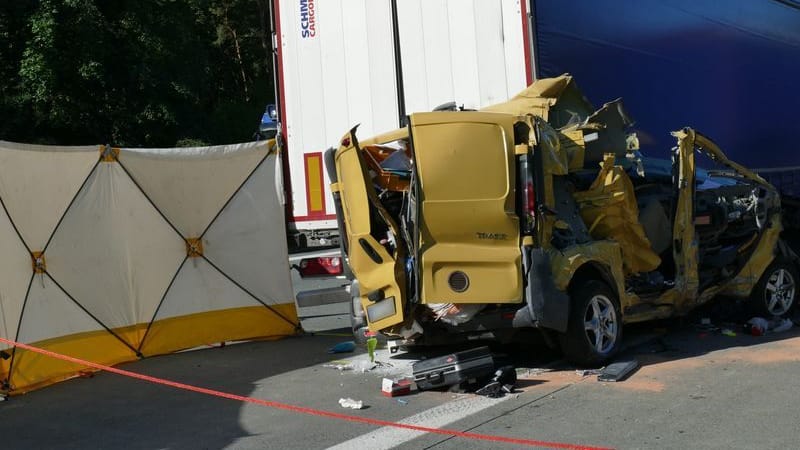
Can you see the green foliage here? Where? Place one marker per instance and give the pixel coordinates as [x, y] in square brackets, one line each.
[133, 72]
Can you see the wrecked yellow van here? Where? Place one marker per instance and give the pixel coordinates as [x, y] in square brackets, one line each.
[541, 213]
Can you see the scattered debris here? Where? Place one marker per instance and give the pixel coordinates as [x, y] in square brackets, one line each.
[728, 332]
[521, 373]
[394, 345]
[409, 332]
[502, 383]
[350, 403]
[343, 347]
[706, 327]
[341, 364]
[618, 371]
[394, 388]
[360, 366]
[455, 314]
[757, 326]
[357, 366]
[2, 398]
[372, 343]
[402, 402]
[588, 372]
[495, 390]
[780, 325]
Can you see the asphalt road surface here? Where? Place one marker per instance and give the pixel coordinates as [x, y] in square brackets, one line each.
[695, 389]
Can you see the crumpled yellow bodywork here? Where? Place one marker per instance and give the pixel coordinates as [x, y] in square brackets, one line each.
[605, 253]
[465, 164]
[685, 246]
[766, 248]
[610, 211]
[762, 257]
[556, 100]
[555, 159]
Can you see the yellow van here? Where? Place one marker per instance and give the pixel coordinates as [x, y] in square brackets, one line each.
[541, 213]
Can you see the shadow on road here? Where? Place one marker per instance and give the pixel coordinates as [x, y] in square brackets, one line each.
[109, 411]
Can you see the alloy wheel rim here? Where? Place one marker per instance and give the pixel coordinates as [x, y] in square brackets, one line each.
[601, 324]
[779, 292]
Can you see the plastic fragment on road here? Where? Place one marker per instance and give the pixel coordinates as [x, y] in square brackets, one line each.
[729, 333]
[780, 325]
[362, 366]
[757, 326]
[531, 372]
[343, 347]
[706, 325]
[588, 372]
[394, 388]
[340, 364]
[350, 403]
[502, 383]
[372, 343]
[618, 371]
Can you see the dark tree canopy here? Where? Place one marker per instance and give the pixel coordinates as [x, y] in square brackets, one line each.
[143, 73]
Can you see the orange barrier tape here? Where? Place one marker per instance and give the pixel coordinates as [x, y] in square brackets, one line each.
[304, 410]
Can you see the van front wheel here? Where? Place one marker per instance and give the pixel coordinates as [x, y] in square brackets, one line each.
[776, 291]
[594, 331]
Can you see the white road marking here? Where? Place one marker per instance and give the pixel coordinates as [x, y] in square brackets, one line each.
[436, 417]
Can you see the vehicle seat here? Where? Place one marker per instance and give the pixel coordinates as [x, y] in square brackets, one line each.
[656, 225]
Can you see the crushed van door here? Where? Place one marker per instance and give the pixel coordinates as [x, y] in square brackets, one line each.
[375, 261]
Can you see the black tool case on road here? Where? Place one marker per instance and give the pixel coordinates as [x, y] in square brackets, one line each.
[468, 366]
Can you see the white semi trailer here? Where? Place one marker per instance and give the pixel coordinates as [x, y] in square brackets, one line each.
[339, 63]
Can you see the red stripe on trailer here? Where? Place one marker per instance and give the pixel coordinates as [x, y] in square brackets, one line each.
[527, 44]
[287, 175]
[279, 44]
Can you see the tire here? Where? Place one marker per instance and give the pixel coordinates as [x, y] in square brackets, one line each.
[594, 329]
[775, 294]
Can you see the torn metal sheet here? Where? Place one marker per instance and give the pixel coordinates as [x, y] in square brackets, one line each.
[556, 100]
[609, 208]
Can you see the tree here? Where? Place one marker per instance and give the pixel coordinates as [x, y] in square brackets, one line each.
[14, 33]
[132, 73]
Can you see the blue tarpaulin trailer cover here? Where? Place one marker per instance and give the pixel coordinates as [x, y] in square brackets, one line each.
[727, 68]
